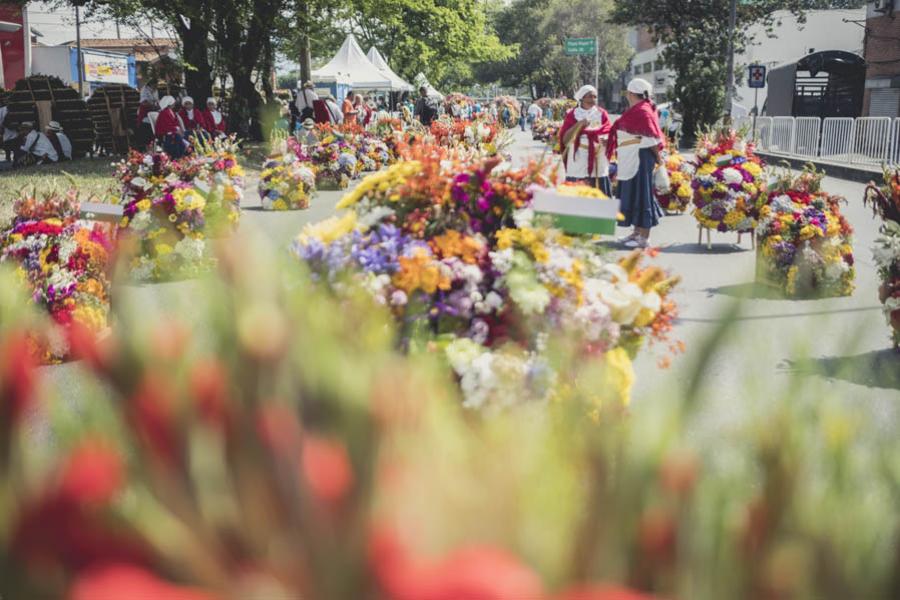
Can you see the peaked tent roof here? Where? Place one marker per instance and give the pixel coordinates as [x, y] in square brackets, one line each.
[351, 66]
[398, 82]
[421, 81]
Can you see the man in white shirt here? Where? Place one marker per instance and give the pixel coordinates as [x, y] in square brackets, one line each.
[36, 148]
[534, 112]
[59, 140]
[306, 96]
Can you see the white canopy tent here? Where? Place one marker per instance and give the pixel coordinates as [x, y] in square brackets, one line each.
[351, 67]
[398, 83]
[422, 81]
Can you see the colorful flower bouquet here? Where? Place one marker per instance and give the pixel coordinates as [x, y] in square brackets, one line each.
[458, 104]
[805, 244]
[171, 208]
[558, 106]
[508, 111]
[480, 136]
[885, 202]
[287, 181]
[456, 255]
[334, 158]
[545, 130]
[728, 182]
[64, 264]
[677, 197]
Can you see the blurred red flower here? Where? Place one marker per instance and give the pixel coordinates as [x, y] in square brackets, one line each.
[17, 377]
[92, 475]
[602, 592]
[473, 573]
[327, 469]
[124, 581]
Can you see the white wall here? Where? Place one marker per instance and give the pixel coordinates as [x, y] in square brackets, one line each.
[823, 30]
[52, 60]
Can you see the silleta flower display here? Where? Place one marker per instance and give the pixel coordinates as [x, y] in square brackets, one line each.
[885, 202]
[728, 182]
[805, 243]
[172, 208]
[288, 178]
[677, 198]
[63, 263]
[457, 256]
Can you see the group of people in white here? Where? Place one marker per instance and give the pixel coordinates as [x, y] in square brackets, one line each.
[589, 140]
[27, 144]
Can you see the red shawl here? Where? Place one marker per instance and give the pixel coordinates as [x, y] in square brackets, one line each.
[593, 136]
[166, 123]
[640, 119]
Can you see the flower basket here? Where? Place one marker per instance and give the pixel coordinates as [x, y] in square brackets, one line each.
[885, 203]
[286, 183]
[805, 243]
[727, 184]
[677, 197]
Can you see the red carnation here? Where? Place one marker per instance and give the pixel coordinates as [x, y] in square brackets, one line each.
[153, 417]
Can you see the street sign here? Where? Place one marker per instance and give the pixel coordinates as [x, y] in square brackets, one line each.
[581, 46]
[756, 77]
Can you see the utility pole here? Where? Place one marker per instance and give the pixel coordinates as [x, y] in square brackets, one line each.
[597, 64]
[78, 50]
[729, 75]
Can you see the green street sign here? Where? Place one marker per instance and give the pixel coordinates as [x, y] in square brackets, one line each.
[578, 46]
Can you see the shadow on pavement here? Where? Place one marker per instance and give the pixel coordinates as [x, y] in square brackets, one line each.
[748, 291]
[877, 369]
[701, 249]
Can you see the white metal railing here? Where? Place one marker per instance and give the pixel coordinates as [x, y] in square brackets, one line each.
[763, 132]
[806, 136]
[837, 137]
[782, 139]
[871, 140]
[864, 140]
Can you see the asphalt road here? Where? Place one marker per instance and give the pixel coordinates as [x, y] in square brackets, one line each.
[771, 350]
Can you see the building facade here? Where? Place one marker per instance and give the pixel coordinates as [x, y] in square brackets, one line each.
[882, 54]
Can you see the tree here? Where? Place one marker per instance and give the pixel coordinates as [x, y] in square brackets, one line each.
[441, 38]
[538, 29]
[695, 34]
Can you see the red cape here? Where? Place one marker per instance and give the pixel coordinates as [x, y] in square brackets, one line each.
[591, 135]
[210, 123]
[640, 119]
[198, 122]
[166, 123]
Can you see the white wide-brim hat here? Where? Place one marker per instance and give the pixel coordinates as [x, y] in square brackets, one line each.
[166, 102]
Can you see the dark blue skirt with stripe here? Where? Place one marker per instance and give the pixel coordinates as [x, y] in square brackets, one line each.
[636, 198]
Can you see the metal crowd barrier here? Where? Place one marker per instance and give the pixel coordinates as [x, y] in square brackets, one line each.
[870, 141]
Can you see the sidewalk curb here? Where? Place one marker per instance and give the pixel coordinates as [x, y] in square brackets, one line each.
[857, 173]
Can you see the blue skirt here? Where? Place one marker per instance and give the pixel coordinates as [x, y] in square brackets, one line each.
[637, 201]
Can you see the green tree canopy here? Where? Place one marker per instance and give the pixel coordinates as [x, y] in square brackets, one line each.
[538, 29]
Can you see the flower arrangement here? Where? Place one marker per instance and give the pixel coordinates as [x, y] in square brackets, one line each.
[171, 208]
[545, 130]
[508, 111]
[334, 158]
[458, 104]
[805, 243]
[454, 252]
[885, 202]
[728, 182]
[63, 263]
[480, 135]
[677, 197]
[558, 106]
[286, 182]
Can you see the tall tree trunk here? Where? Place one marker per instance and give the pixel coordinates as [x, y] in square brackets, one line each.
[198, 74]
[305, 58]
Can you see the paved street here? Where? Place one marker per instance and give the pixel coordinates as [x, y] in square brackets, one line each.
[839, 347]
